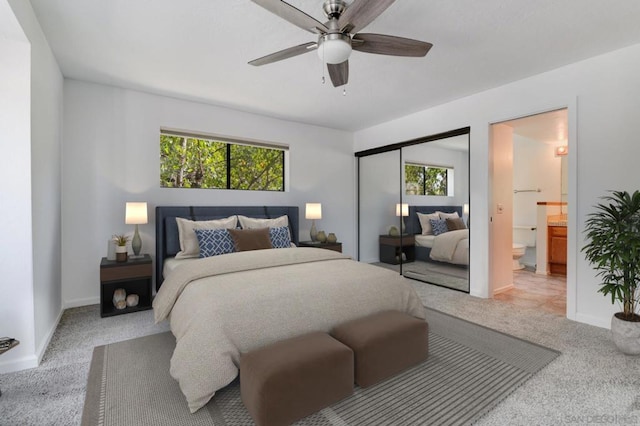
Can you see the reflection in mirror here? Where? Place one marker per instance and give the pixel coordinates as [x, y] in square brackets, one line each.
[401, 187]
[379, 193]
[436, 188]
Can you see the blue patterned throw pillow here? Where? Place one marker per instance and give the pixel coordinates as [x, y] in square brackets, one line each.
[439, 226]
[214, 242]
[280, 237]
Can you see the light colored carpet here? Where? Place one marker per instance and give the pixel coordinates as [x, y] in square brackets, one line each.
[591, 381]
[469, 370]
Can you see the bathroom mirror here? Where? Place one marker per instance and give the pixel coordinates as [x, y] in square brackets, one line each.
[399, 183]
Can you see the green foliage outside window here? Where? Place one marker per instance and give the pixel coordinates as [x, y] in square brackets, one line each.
[202, 163]
[426, 180]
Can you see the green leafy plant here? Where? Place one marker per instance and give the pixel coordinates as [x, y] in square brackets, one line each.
[120, 239]
[613, 248]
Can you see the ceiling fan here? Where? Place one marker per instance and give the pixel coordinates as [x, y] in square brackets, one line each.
[339, 35]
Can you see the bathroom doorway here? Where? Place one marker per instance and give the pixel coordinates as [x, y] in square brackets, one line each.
[529, 172]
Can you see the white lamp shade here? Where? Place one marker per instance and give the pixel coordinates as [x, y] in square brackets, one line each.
[334, 51]
[404, 207]
[465, 208]
[136, 214]
[313, 211]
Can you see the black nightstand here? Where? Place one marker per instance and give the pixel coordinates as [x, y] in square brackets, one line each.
[134, 276]
[392, 247]
[328, 246]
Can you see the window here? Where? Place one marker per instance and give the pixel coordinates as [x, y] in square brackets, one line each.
[197, 161]
[423, 179]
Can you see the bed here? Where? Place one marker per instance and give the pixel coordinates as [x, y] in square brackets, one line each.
[225, 305]
[451, 246]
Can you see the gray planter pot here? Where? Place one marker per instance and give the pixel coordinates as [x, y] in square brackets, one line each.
[626, 335]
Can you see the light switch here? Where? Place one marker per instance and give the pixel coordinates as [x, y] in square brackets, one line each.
[500, 208]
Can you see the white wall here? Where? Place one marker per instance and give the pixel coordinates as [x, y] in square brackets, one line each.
[30, 129]
[46, 139]
[111, 156]
[501, 205]
[16, 285]
[535, 165]
[603, 98]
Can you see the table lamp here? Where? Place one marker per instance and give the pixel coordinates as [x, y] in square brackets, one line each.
[313, 211]
[402, 210]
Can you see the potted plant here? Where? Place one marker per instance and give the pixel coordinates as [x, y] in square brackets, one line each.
[121, 247]
[613, 248]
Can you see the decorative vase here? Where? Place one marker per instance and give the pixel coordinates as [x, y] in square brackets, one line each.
[331, 238]
[120, 298]
[626, 335]
[132, 300]
[322, 237]
[121, 253]
[393, 231]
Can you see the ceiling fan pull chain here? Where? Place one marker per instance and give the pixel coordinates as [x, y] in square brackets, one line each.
[322, 64]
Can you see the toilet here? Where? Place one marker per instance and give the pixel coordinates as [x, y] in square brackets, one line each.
[518, 251]
[523, 237]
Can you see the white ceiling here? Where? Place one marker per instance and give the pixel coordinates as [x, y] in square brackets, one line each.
[199, 49]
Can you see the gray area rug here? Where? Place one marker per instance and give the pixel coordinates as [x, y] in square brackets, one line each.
[470, 369]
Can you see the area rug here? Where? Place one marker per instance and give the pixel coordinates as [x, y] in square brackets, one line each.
[470, 369]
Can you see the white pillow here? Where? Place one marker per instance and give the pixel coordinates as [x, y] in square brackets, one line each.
[424, 222]
[189, 241]
[254, 223]
[445, 216]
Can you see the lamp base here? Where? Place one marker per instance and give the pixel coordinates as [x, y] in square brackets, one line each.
[314, 232]
[136, 243]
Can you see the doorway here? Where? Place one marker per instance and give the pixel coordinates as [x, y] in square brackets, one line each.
[530, 192]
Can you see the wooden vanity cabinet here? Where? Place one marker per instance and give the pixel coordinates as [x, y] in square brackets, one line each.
[557, 250]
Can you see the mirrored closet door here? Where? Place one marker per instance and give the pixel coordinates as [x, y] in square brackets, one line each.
[414, 208]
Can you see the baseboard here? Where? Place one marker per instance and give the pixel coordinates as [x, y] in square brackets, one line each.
[45, 343]
[503, 289]
[596, 321]
[23, 363]
[75, 303]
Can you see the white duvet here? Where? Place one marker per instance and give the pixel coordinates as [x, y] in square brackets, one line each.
[452, 247]
[224, 305]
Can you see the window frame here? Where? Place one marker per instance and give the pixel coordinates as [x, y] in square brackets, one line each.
[229, 142]
[449, 184]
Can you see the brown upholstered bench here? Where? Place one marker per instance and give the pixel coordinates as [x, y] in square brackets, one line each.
[384, 344]
[288, 380]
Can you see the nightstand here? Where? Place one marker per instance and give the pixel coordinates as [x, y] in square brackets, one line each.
[134, 276]
[328, 246]
[392, 247]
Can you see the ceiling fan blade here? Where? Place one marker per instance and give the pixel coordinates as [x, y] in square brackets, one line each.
[293, 15]
[285, 54]
[390, 45]
[339, 73]
[361, 13]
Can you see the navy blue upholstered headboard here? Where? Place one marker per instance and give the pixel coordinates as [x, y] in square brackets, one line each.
[168, 243]
[412, 223]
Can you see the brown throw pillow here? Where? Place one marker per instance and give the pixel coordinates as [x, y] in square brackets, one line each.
[251, 239]
[453, 224]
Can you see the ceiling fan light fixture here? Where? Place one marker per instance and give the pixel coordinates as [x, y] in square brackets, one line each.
[334, 48]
